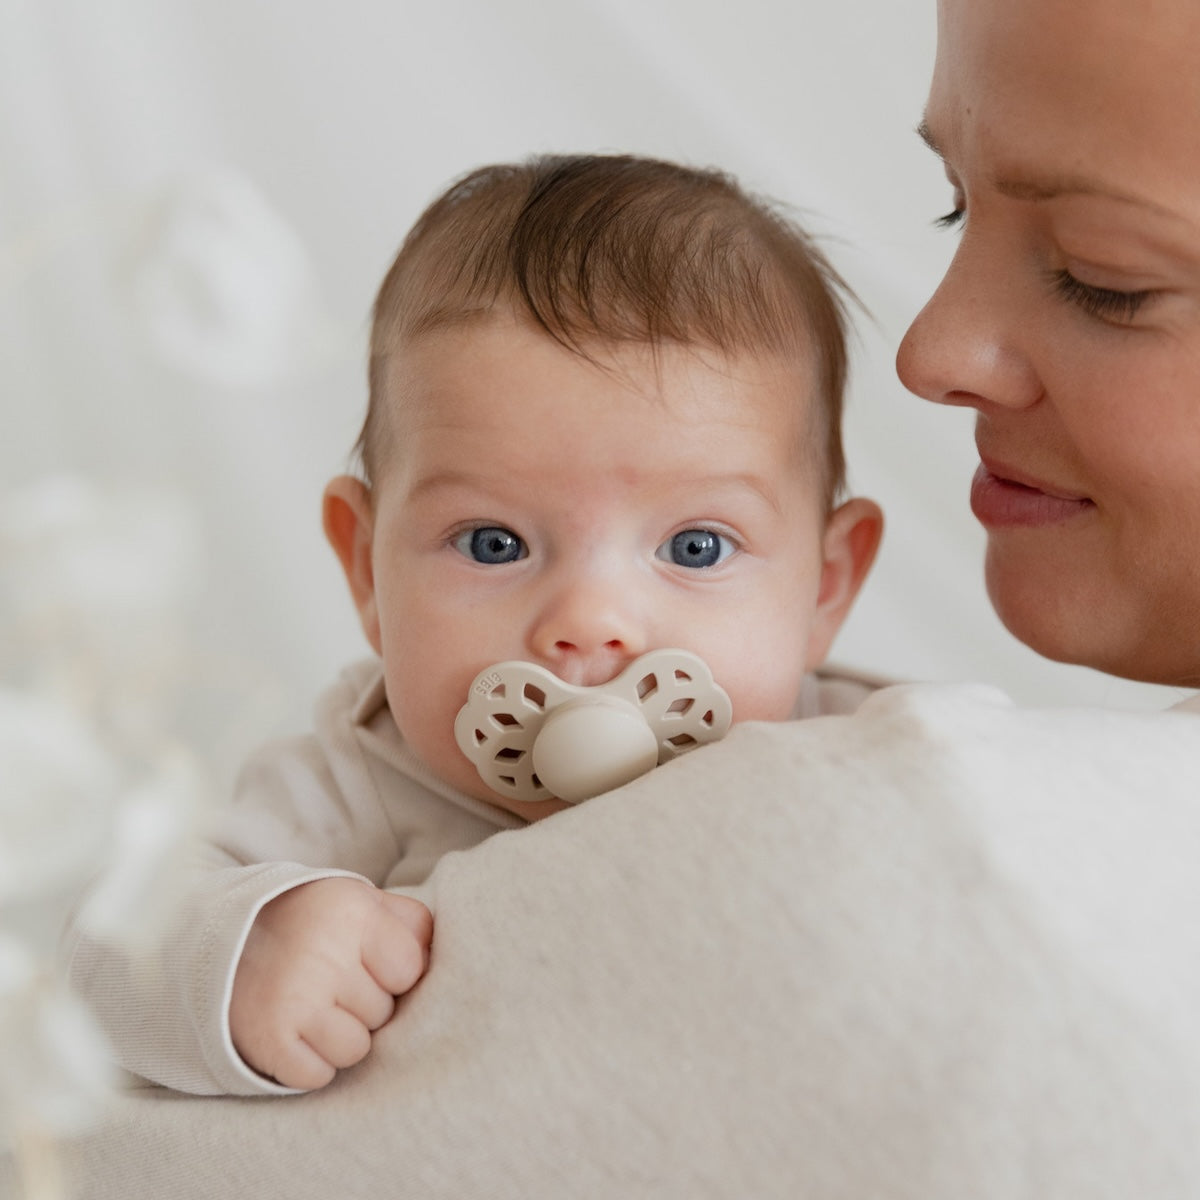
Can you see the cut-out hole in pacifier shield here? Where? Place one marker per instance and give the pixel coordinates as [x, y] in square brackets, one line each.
[535, 696]
[647, 686]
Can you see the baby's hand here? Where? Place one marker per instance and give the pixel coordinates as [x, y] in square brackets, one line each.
[320, 972]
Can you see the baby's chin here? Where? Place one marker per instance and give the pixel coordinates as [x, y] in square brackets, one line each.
[451, 766]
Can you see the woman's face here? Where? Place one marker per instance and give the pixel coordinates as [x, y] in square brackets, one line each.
[1070, 317]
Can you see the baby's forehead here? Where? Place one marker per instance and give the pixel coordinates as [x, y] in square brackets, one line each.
[495, 387]
[500, 355]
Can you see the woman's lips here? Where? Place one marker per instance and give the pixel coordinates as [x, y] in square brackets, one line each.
[999, 502]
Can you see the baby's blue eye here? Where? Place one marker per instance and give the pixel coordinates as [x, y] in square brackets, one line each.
[696, 548]
[491, 545]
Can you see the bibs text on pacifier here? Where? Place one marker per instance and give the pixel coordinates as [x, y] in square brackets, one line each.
[533, 737]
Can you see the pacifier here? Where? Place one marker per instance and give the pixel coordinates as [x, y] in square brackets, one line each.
[533, 737]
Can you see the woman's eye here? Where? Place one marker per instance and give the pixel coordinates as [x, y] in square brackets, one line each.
[951, 219]
[954, 217]
[696, 548]
[491, 545]
[1108, 304]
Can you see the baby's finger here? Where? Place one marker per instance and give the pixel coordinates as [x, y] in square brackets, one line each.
[366, 999]
[295, 1064]
[395, 948]
[338, 1037]
[413, 913]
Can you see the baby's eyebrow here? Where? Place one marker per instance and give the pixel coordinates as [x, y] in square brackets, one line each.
[712, 484]
[450, 486]
[445, 480]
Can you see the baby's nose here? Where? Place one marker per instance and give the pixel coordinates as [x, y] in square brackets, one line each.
[588, 630]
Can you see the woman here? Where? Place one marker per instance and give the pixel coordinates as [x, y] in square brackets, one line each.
[1070, 318]
[942, 948]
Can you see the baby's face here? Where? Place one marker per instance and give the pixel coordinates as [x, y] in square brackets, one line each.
[534, 505]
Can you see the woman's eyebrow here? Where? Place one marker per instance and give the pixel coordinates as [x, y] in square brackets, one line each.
[1034, 186]
[926, 135]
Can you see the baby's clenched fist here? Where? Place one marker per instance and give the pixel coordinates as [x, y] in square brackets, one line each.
[320, 972]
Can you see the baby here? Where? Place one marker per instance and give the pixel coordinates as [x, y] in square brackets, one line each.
[604, 421]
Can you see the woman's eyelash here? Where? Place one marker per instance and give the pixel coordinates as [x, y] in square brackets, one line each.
[1105, 303]
[1098, 301]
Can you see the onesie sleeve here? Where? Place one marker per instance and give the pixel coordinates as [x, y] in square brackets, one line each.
[304, 809]
[166, 1014]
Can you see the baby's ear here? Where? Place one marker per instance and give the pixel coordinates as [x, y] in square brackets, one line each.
[347, 517]
[851, 541]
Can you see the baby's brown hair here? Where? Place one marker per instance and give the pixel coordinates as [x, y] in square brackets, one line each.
[617, 248]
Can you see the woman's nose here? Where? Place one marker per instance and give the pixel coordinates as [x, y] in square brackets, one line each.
[970, 344]
[588, 628]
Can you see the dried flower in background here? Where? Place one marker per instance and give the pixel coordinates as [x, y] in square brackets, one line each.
[97, 790]
[114, 723]
[222, 286]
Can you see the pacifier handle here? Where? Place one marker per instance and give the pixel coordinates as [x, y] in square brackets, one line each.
[533, 737]
[590, 746]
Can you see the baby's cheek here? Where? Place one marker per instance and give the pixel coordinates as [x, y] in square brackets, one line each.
[425, 716]
[457, 770]
[430, 735]
[769, 700]
[761, 687]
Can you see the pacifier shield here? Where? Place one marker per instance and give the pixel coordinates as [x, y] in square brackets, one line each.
[662, 705]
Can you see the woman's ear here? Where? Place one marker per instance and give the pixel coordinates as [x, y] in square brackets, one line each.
[851, 541]
[346, 515]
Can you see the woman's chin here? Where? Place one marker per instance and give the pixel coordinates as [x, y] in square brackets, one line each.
[1062, 622]
[1042, 607]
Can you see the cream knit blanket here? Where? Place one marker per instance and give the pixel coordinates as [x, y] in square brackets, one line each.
[943, 949]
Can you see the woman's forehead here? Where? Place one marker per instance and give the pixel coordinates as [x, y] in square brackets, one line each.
[1102, 94]
[1090, 50]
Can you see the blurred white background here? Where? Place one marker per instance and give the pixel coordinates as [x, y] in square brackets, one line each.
[200, 196]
